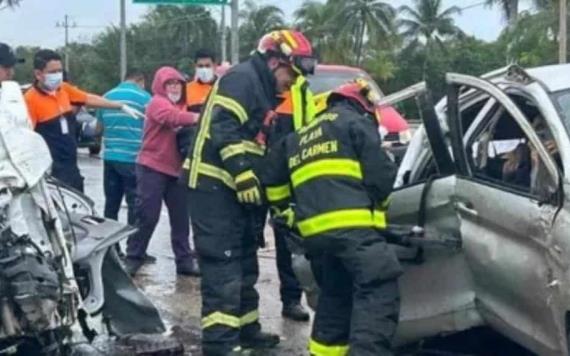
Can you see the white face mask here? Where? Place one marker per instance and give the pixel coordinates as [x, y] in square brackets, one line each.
[205, 75]
[52, 81]
[175, 98]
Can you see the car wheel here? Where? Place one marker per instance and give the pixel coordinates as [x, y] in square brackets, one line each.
[95, 150]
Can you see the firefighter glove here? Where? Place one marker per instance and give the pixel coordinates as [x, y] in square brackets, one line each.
[248, 188]
[286, 217]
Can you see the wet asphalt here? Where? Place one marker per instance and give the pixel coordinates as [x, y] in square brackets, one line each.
[178, 298]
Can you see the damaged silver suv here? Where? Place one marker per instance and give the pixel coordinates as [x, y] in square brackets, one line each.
[480, 210]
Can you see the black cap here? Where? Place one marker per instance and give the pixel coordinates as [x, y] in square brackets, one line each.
[8, 57]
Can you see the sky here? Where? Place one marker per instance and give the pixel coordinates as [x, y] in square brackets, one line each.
[34, 22]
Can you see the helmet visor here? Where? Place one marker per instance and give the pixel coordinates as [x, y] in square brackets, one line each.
[304, 65]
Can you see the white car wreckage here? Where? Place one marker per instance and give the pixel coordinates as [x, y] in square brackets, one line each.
[480, 212]
[59, 274]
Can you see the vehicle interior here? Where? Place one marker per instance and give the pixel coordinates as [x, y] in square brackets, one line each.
[500, 153]
[498, 150]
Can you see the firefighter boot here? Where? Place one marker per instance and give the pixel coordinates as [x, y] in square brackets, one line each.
[257, 339]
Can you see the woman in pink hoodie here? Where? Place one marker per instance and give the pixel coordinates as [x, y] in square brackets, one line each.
[158, 168]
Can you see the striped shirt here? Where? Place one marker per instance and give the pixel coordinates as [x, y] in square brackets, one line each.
[122, 135]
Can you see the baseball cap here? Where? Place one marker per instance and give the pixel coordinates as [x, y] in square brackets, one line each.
[8, 57]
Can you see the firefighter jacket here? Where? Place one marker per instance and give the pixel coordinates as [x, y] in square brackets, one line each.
[226, 143]
[334, 171]
[297, 109]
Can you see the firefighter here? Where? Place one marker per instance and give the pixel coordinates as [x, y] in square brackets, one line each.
[340, 178]
[295, 111]
[225, 194]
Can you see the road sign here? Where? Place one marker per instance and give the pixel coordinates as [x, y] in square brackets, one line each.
[183, 2]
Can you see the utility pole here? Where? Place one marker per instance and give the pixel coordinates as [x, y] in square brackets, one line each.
[563, 36]
[235, 31]
[123, 45]
[66, 26]
[223, 34]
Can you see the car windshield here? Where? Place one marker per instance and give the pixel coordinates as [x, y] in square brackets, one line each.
[323, 81]
[562, 99]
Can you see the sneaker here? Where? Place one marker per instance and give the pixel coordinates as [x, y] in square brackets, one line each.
[188, 267]
[132, 265]
[259, 340]
[295, 311]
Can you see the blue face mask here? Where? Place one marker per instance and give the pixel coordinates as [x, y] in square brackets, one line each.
[52, 81]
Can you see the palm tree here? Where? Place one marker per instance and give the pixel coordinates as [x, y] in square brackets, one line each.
[428, 23]
[257, 21]
[364, 18]
[313, 18]
[8, 3]
[510, 9]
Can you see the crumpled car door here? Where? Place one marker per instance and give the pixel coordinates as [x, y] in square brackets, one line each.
[436, 291]
[505, 233]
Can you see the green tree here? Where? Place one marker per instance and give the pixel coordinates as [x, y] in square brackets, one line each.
[428, 24]
[533, 40]
[8, 3]
[256, 21]
[314, 19]
[362, 19]
[509, 8]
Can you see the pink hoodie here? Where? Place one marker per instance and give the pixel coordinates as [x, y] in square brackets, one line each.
[159, 150]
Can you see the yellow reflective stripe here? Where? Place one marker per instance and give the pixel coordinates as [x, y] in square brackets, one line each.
[290, 39]
[245, 176]
[240, 148]
[254, 148]
[232, 150]
[379, 219]
[278, 193]
[324, 167]
[339, 219]
[250, 317]
[233, 106]
[303, 111]
[318, 349]
[217, 173]
[219, 318]
[204, 125]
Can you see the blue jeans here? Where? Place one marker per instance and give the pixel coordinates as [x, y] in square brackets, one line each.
[119, 180]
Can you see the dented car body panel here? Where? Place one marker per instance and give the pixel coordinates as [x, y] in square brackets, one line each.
[505, 202]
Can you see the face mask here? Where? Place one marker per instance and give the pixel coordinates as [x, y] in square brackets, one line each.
[175, 98]
[205, 75]
[52, 81]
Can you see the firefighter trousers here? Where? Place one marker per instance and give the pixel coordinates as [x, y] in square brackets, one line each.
[226, 243]
[359, 304]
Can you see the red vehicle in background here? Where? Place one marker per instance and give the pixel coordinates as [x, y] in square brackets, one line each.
[395, 128]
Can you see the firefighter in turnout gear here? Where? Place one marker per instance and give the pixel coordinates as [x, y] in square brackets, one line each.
[296, 109]
[336, 179]
[226, 198]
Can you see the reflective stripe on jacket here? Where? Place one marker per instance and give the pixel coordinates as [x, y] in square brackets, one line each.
[335, 172]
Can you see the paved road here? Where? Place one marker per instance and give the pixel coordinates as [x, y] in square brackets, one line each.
[178, 298]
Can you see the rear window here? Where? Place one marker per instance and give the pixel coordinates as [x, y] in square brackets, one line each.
[323, 81]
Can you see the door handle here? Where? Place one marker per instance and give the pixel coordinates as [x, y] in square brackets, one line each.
[467, 208]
